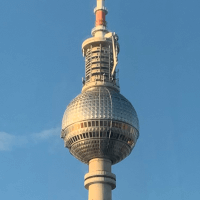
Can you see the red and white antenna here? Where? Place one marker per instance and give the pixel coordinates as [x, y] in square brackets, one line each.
[100, 24]
[100, 12]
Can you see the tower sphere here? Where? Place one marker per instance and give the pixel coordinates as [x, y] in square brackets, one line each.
[100, 123]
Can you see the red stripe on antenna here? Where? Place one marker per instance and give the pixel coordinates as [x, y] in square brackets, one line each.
[100, 18]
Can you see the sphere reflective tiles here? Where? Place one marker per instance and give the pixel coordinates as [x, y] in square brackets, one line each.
[100, 123]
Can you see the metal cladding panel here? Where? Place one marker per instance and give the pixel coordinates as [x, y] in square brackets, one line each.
[100, 103]
[113, 150]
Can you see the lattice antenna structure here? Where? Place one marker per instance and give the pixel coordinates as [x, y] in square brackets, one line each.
[100, 126]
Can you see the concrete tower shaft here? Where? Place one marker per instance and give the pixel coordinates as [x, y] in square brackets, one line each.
[100, 181]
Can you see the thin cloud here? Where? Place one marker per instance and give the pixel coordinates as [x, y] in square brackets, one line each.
[9, 141]
[46, 134]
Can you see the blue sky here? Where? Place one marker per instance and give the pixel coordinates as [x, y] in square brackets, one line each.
[41, 67]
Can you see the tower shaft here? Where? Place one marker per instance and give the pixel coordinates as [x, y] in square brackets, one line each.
[100, 181]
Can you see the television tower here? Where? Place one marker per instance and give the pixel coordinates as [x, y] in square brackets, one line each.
[100, 126]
